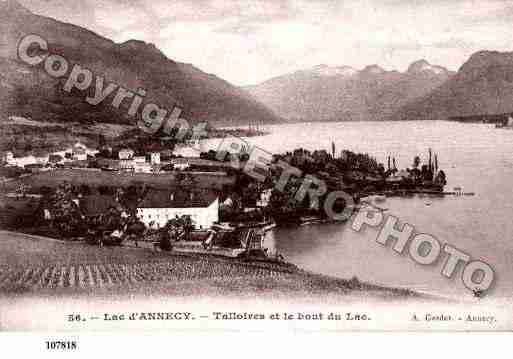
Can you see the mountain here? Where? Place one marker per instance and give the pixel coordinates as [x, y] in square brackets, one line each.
[30, 92]
[424, 67]
[482, 86]
[325, 70]
[325, 93]
[371, 70]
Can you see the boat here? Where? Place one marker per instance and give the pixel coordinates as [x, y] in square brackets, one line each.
[108, 169]
[508, 124]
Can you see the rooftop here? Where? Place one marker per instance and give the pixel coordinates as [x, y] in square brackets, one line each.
[199, 162]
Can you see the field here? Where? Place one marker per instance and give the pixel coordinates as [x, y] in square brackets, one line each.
[95, 178]
[31, 264]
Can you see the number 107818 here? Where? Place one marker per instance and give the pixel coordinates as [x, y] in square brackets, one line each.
[61, 345]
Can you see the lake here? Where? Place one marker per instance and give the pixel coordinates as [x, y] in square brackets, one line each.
[476, 157]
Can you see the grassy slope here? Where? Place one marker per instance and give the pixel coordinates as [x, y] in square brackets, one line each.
[169, 274]
[125, 179]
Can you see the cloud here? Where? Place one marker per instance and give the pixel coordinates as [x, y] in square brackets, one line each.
[250, 41]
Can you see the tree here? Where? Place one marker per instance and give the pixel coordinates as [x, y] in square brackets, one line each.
[179, 228]
[244, 153]
[67, 218]
[85, 190]
[135, 229]
[101, 140]
[441, 178]
[165, 241]
[22, 189]
[179, 177]
[416, 162]
[188, 226]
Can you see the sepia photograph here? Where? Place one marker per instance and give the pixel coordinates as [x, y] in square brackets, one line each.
[283, 166]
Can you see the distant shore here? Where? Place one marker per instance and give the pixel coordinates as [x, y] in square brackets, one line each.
[60, 136]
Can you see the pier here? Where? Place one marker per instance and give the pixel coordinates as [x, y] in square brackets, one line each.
[406, 192]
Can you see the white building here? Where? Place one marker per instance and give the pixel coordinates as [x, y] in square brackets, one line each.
[142, 167]
[28, 160]
[138, 164]
[79, 154]
[8, 158]
[127, 165]
[155, 158]
[265, 198]
[158, 207]
[192, 149]
[180, 164]
[125, 154]
[79, 145]
[186, 151]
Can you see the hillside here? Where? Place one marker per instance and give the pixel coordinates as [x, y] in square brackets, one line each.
[60, 268]
[325, 93]
[482, 86]
[31, 93]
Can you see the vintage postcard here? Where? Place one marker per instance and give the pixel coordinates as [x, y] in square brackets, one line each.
[259, 165]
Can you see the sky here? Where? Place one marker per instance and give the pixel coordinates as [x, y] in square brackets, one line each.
[247, 42]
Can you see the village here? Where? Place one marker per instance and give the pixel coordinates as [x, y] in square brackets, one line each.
[183, 198]
[107, 196]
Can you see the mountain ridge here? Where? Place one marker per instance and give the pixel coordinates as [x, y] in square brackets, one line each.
[482, 86]
[132, 64]
[339, 93]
